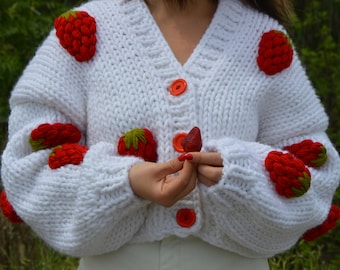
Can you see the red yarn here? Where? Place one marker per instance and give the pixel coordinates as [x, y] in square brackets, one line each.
[275, 52]
[76, 31]
[313, 154]
[67, 154]
[51, 135]
[7, 209]
[138, 142]
[325, 227]
[289, 174]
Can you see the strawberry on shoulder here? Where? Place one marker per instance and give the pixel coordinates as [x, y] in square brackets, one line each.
[76, 31]
[275, 52]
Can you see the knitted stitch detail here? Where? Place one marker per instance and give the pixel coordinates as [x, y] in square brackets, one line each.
[325, 227]
[7, 209]
[275, 52]
[50, 135]
[138, 142]
[76, 31]
[67, 154]
[289, 174]
[313, 154]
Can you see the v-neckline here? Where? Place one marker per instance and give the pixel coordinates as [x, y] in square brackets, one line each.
[156, 31]
[207, 52]
[182, 32]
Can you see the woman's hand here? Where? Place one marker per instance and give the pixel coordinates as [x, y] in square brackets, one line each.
[209, 167]
[155, 181]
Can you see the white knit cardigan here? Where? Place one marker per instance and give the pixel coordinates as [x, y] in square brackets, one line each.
[90, 209]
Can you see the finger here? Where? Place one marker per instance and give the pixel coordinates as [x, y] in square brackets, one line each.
[174, 188]
[210, 172]
[210, 158]
[174, 165]
[205, 181]
[188, 178]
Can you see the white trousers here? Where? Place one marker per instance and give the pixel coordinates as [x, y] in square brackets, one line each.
[172, 253]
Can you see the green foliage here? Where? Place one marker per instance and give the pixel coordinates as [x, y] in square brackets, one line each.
[302, 256]
[22, 249]
[25, 23]
[317, 36]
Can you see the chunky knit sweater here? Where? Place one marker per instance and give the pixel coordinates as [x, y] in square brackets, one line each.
[247, 109]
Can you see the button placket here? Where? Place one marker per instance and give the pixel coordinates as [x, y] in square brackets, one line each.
[177, 88]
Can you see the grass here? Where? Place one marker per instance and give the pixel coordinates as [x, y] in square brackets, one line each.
[21, 249]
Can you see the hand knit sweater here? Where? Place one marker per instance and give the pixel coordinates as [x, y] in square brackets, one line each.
[243, 111]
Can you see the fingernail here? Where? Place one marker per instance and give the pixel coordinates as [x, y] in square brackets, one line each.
[185, 156]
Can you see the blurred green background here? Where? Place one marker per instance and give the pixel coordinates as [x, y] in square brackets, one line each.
[316, 35]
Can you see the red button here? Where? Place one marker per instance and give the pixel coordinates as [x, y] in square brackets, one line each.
[177, 142]
[178, 87]
[186, 217]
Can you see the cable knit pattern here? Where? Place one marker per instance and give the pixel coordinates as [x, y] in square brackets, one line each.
[90, 209]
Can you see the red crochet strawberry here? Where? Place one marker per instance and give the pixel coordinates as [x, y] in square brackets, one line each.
[67, 154]
[138, 142]
[326, 226]
[313, 154]
[76, 31]
[289, 174]
[51, 135]
[275, 52]
[7, 209]
[193, 141]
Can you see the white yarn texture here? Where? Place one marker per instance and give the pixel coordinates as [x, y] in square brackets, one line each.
[244, 114]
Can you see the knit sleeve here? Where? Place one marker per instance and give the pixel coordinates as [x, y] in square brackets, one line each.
[82, 208]
[271, 193]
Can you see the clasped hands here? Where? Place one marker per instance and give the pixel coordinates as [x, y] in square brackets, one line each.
[168, 182]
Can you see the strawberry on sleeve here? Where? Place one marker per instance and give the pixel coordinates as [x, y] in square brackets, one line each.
[7, 209]
[67, 154]
[325, 227]
[313, 154]
[289, 174]
[50, 135]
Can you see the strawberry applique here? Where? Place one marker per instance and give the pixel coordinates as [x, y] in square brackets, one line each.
[275, 52]
[289, 174]
[7, 209]
[50, 135]
[193, 141]
[138, 142]
[326, 226]
[313, 154]
[63, 139]
[66, 154]
[76, 31]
